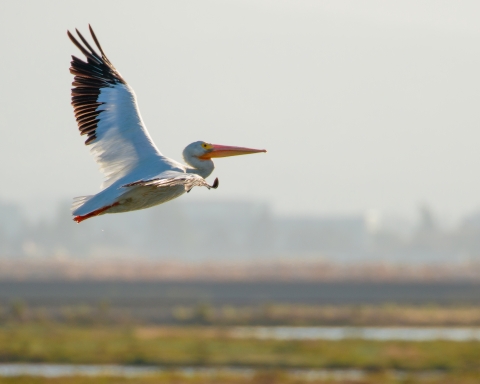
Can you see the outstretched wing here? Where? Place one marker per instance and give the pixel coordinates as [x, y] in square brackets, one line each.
[106, 111]
[188, 180]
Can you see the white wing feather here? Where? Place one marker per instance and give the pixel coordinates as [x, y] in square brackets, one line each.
[188, 180]
[123, 142]
[106, 110]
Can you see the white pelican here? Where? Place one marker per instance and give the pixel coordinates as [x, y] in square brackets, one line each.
[137, 175]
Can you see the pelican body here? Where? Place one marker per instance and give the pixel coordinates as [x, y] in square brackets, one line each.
[137, 175]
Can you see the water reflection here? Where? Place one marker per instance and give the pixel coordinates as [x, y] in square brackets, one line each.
[365, 333]
[64, 370]
[61, 370]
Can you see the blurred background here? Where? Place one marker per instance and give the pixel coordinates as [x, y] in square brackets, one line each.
[350, 252]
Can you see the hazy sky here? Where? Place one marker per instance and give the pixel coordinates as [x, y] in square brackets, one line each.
[361, 104]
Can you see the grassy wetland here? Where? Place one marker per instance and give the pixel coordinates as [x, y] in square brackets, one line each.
[196, 341]
[212, 346]
[264, 377]
[174, 347]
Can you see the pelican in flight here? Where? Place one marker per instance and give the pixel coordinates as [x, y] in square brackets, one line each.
[137, 175]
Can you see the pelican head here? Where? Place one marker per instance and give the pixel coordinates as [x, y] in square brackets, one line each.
[200, 153]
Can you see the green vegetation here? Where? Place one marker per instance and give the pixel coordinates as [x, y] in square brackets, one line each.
[208, 346]
[263, 377]
[202, 337]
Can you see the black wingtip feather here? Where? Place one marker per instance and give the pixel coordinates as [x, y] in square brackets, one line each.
[91, 76]
[96, 41]
[90, 139]
[80, 47]
[92, 51]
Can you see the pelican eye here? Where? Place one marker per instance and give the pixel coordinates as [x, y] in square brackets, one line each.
[207, 146]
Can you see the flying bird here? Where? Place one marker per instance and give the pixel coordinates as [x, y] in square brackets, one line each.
[137, 175]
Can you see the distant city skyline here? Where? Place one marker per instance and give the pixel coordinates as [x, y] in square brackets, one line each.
[244, 231]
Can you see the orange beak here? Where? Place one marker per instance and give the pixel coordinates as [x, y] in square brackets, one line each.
[225, 151]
